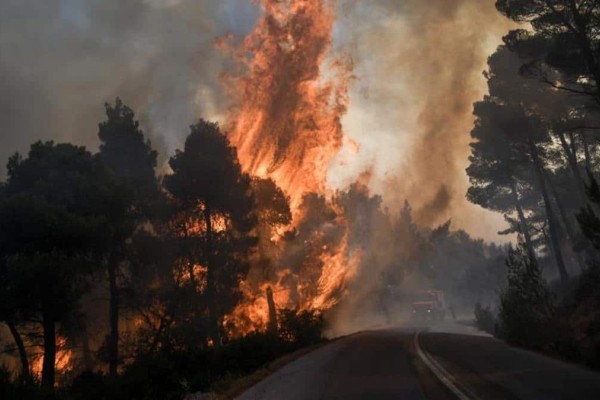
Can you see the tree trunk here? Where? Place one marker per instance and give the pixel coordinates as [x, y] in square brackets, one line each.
[552, 223]
[566, 223]
[572, 161]
[48, 373]
[586, 151]
[523, 222]
[25, 374]
[113, 340]
[211, 293]
[88, 363]
[272, 312]
[165, 323]
[586, 46]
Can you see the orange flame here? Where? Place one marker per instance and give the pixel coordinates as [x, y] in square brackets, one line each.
[287, 127]
[62, 364]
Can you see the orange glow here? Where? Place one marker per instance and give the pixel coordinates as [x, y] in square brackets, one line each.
[195, 227]
[287, 122]
[290, 97]
[62, 363]
[337, 270]
[194, 273]
[253, 313]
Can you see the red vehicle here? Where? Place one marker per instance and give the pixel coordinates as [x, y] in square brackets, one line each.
[429, 304]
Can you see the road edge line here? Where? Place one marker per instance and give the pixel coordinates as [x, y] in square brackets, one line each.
[440, 372]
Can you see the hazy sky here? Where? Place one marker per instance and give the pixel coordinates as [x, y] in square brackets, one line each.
[418, 66]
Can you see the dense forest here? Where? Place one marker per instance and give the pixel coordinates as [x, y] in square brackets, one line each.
[122, 280]
[85, 236]
[535, 158]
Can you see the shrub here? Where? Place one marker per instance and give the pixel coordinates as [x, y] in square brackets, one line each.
[581, 312]
[301, 328]
[17, 389]
[251, 352]
[527, 307]
[485, 319]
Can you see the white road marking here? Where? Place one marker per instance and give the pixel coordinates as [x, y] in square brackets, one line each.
[441, 373]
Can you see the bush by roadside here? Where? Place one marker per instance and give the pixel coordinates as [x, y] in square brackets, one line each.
[485, 319]
[170, 375]
[527, 307]
[533, 317]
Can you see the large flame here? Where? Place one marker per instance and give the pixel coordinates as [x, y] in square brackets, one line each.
[291, 94]
[287, 123]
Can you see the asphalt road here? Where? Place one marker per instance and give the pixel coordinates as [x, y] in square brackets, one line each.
[394, 363]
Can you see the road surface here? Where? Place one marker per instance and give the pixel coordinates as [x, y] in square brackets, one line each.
[425, 363]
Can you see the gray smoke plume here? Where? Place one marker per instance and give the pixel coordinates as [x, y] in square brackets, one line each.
[418, 66]
[419, 69]
[61, 60]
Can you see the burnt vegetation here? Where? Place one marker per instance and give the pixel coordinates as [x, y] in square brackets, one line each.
[88, 237]
[117, 282]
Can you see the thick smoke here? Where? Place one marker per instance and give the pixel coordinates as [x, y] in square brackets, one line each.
[418, 70]
[60, 60]
[418, 66]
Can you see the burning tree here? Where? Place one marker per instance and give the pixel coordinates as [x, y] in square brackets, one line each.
[54, 233]
[286, 126]
[208, 185]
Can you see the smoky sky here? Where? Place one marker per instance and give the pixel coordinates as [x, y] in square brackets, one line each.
[419, 69]
[61, 60]
[417, 63]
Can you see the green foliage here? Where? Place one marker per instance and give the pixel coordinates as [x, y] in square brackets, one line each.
[527, 307]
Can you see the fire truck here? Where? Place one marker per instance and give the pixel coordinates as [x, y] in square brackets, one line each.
[429, 305]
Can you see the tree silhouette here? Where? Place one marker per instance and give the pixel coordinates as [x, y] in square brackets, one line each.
[564, 39]
[208, 181]
[131, 160]
[509, 154]
[54, 232]
[527, 306]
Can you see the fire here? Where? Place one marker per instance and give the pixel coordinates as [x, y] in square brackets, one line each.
[290, 95]
[62, 364]
[192, 273]
[337, 270]
[253, 312]
[287, 125]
